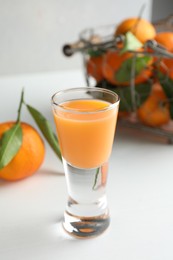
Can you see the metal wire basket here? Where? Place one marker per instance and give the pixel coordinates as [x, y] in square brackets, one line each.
[102, 39]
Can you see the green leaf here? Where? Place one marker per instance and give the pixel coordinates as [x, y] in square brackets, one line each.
[131, 43]
[125, 71]
[167, 85]
[20, 105]
[46, 130]
[96, 52]
[96, 177]
[10, 144]
[142, 91]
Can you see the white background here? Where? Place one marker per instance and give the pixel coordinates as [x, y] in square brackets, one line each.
[32, 32]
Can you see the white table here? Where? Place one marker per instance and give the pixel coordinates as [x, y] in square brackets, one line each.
[140, 191]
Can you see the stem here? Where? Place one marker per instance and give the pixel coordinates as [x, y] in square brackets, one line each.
[139, 17]
[141, 11]
[20, 105]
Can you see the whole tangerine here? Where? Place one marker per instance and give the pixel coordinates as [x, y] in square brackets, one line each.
[141, 28]
[155, 110]
[29, 157]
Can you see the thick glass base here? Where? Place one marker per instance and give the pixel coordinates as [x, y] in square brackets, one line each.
[86, 212]
[85, 227]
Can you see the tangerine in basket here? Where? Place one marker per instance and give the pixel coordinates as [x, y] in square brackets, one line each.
[114, 62]
[94, 67]
[155, 110]
[141, 28]
[29, 157]
[165, 39]
[166, 66]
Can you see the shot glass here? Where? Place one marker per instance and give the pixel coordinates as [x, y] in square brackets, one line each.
[85, 120]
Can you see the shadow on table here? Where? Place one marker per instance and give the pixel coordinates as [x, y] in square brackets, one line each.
[43, 172]
[51, 172]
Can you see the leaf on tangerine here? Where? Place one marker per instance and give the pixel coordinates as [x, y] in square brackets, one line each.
[10, 144]
[124, 73]
[95, 53]
[142, 91]
[131, 43]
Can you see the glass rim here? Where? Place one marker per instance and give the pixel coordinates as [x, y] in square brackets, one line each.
[92, 89]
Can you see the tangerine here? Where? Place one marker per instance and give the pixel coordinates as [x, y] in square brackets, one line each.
[29, 157]
[165, 39]
[166, 64]
[112, 63]
[155, 110]
[94, 67]
[141, 28]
